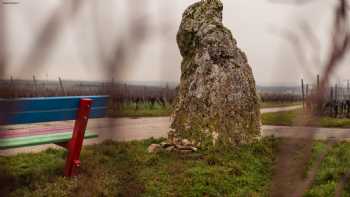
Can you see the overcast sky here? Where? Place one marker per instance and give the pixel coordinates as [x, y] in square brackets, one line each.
[99, 26]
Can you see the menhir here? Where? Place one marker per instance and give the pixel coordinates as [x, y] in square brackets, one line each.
[217, 101]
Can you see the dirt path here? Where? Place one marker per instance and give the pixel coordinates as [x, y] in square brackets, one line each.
[280, 109]
[126, 129]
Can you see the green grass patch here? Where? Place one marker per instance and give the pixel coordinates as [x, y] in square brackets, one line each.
[287, 118]
[142, 109]
[126, 169]
[279, 118]
[333, 167]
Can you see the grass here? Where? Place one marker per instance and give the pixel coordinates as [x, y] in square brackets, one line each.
[287, 118]
[126, 169]
[333, 167]
[144, 109]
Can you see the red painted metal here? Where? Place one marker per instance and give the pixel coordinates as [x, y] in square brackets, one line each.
[75, 144]
[63, 145]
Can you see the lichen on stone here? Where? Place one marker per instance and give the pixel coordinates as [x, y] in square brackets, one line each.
[217, 100]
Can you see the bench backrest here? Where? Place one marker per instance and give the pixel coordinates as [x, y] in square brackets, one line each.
[46, 109]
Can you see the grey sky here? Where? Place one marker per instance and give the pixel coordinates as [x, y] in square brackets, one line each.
[253, 22]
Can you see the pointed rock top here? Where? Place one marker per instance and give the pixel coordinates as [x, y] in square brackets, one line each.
[197, 17]
[211, 9]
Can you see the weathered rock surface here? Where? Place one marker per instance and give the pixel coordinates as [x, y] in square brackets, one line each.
[217, 100]
[180, 146]
[153, 148]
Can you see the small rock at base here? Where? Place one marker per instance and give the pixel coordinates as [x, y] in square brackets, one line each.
[186, 142]
[181, 147]
[153, 148]
[170, 148]
[194, 149]
[165, 144]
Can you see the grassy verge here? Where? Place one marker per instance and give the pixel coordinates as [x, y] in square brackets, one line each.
[288, 118]
[126, 169]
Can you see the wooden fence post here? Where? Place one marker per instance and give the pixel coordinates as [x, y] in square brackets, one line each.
[112, 87]
[302, 93]
[348, 89]
[35, 86]
[336, 92]
[12, 87]
[61, 86]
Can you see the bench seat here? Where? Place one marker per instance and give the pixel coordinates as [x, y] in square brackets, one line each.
[48, 109]
[52, 138]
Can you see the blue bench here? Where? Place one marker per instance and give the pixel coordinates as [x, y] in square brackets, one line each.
[46, 109]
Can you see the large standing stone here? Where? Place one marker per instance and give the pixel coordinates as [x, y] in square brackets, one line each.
[217, 100]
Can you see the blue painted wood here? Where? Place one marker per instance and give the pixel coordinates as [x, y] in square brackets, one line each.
[47, 116]
[48, 103]
[34, 110]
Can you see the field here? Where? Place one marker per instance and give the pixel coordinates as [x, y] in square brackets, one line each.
[126, 169]
[140, 109]
[288, 118]
[157, 109]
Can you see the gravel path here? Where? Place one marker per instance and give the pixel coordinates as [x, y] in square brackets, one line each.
[126, 129]
[280, 109]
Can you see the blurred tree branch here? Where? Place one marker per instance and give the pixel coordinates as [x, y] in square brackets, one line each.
[292, 2]
[49, 33]
[2, 43]
[339, 46]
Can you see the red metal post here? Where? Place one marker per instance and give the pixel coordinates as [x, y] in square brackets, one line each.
[75, 144]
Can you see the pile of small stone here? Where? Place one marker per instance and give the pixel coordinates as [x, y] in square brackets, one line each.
[181, 146]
